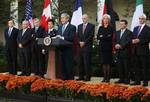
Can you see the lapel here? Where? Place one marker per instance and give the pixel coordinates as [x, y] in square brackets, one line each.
[123, 35]
[118, 35]
[7, 32]
[66, 29]
[85, 28]
[24, 33]
[11, 32]
[143, 29]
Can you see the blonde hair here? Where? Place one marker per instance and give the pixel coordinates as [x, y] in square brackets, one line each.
[108, 17]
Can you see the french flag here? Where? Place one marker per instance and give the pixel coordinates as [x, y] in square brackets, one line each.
[46, 15]
[77, 13]
[76, 20]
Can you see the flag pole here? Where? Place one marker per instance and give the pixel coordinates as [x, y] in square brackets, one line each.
[51, 1]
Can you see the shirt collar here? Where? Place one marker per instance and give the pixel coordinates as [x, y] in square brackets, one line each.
[66, 24]
[50, 29]
[85, 24]
[142, 26]
[123, 29]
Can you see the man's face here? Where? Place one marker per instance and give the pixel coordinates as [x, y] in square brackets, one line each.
[142, 19]
[24, 24]
[10, 23]
[85, 19]
[36, 23]
[50, 25]
[64, 19]
[122, 25]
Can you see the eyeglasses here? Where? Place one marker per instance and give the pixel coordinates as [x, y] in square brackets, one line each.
[141, 18]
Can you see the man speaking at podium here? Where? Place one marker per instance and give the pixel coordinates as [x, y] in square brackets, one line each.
[67, 31]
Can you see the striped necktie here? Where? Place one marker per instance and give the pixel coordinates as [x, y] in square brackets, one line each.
[139, 30]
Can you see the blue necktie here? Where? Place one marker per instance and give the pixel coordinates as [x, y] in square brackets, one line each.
[63, 29]
[9, 31]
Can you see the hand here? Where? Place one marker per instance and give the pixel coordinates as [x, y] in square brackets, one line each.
[82, 44]
[135, 41]
[43, 51]
[118, 46]
[36, 38]
[20, 45]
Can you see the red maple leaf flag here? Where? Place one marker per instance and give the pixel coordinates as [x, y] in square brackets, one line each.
[46, 15]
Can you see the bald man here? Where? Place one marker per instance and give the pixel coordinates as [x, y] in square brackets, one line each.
[85, 41]
[24, 44]
[140, 40]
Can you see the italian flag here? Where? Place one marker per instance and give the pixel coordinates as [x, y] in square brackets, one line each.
[138, 12]
[101, 9]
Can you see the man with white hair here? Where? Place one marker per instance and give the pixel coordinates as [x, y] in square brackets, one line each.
[140, 42]
[24, 44]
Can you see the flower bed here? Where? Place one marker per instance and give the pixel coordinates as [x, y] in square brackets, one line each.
[72, 90]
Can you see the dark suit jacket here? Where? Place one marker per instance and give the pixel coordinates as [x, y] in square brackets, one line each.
[105, 35]
[39, 33]
[11, 41]
[68, 33]
[124, 41]
[87, 37]
[25, 40]
[52, 33]
[142, 48]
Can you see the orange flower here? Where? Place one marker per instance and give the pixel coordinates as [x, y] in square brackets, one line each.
[73, 85]
[58, 84]
[38, 85]
[19, 81]
[131, 91]
[5, 77]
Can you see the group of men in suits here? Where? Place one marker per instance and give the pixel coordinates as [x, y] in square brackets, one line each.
[127, 44]
[24, 43]
[25, 40]
[132, 49]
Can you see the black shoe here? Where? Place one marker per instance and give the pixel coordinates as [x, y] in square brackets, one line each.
[87, 79]
[136, 83]
[145, 84]
[127, 82]
[80, 79]
[104, 80]
[107, 81]
[119, 81]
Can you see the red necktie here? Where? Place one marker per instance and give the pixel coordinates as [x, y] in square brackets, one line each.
[84, 27]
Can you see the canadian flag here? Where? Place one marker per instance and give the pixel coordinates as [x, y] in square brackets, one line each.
[46, 15]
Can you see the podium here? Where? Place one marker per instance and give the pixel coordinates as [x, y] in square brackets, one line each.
[53, 45]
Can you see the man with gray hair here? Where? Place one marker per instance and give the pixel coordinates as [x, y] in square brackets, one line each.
[24, 44]
[140, 42]
[37, 56]
[67, 31]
